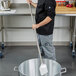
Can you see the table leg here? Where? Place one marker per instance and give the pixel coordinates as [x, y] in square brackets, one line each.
[71, 31]
[2, 33]
[1, 53]
[73, 51]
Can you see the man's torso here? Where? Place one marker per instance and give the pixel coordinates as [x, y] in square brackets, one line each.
[40, 16]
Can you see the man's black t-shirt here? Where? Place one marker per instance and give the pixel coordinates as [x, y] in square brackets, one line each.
[45, 8]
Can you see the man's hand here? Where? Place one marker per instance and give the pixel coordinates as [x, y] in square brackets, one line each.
[29, 1]
[32, 3]
[42, 23]
[35, 26]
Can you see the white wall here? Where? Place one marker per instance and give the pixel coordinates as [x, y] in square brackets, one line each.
[21, 1]
[62, 34]
[28, 35]
[24, 1]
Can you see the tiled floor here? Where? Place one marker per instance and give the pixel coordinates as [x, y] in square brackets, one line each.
[16, 55]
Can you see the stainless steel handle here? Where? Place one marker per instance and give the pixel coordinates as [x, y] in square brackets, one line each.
[16, 68]
[65, 70]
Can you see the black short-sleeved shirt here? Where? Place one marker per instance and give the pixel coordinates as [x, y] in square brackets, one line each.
[45, 8]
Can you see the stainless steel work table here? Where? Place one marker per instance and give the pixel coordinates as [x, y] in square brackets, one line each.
[23, 10]
[71, 12]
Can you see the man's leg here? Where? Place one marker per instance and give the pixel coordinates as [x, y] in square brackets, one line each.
[47, 46]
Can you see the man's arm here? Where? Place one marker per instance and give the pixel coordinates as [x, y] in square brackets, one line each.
[32, 3]
[42, 23]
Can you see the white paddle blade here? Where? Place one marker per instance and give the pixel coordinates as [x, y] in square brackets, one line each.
[43, 69]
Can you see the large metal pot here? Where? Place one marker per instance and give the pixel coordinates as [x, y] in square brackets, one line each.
[31, 68]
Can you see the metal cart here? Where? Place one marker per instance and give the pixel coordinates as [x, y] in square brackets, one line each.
[19, 12]
[2, 44]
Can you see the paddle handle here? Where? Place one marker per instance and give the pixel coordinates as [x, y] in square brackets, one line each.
[35, 34]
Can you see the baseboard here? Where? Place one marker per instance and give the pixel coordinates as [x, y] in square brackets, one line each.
[33, 43]
[19, 43]
[61, 43]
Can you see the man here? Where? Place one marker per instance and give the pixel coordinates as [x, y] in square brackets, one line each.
[45, 15]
